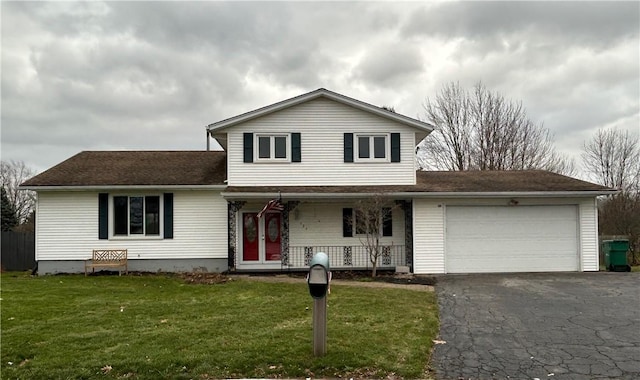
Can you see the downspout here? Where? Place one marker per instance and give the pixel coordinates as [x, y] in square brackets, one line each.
[208, 143]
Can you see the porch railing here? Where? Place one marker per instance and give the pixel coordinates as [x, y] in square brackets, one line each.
[345, 256]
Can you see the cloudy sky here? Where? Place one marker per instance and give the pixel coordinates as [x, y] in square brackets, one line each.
[152, 75]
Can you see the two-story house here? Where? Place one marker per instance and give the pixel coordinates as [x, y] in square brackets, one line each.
[286, 187]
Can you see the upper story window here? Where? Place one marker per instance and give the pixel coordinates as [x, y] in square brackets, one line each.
[272, 147]
[372, 147]
[136, 215]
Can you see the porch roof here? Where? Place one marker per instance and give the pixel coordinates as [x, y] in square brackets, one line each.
[445, 183]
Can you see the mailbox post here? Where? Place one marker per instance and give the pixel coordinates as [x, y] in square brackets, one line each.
[318, 280]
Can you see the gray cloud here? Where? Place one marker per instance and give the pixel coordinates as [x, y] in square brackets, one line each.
[594, 23]
[151, 75]
[390, 64]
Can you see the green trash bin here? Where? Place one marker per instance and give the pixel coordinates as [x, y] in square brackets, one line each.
[615, 255]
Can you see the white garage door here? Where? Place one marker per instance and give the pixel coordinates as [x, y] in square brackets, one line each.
[511, 239]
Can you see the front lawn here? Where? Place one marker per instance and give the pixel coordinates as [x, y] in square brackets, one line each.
[157, 326]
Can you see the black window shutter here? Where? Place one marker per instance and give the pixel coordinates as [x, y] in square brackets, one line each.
[348, 147]
[347, 222]
[296, 149]
[248, 147]
[168, 215]
[103, 216]
[395, 147]
[387, 222]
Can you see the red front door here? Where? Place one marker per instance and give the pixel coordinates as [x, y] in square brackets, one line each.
[250, 237]
[272, 236]
[261, 238]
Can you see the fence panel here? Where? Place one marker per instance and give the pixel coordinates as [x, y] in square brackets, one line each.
[18, 251]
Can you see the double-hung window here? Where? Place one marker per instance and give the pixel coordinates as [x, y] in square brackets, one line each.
[367, 222]
[372, 147]
[273, 147]
[136, 215]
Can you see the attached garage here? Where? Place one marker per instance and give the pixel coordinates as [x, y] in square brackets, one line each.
[504, 221]
[482, 239]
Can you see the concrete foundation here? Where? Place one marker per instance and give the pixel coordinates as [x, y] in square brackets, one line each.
[172, 265]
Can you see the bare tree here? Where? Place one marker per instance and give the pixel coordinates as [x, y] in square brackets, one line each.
[449, 147]
[612, 158]
[13, 173]
[481, 130]
[371, 215]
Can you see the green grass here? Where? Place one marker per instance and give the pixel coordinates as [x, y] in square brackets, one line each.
[156, 326]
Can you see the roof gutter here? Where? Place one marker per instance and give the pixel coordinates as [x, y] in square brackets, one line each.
[124, 187]
[406, 194]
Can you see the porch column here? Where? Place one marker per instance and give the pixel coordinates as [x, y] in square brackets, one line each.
[232, 217]
[284, 231]
[407, 207]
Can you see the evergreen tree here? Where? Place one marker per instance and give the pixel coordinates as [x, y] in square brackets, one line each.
[9, 218]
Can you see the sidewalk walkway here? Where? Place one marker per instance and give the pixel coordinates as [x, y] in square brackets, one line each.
[363, 284]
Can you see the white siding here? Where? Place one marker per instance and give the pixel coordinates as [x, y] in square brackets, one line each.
[67, 228]
[589, 235]
[322, 124]
[428, 237]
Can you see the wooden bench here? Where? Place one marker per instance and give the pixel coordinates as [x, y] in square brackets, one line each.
[107, 258]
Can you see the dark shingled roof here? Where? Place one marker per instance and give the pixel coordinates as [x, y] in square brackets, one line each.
[497, 181]
[455, 181]
[201, 168]
[126, 168]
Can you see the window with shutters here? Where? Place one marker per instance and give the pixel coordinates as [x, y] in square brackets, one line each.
[136, 215]
[372, 147]
[268, 147]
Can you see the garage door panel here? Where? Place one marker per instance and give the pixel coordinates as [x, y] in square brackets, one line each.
[520, 230]
[484, 264]
[511, 239]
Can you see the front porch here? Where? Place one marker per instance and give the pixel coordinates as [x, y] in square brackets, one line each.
[287, 240]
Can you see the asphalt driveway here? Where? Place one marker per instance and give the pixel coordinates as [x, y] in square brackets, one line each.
[544, 326]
